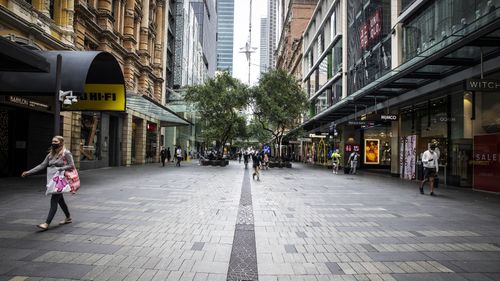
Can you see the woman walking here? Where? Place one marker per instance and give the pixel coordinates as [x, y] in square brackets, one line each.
[58, 159]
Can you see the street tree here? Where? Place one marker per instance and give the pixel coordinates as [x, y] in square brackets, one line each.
[279, 102]
[218, 102]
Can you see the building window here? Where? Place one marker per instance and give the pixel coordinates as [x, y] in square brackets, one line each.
[323, 72]
[440, 20]
[51, 8]
[369, 47]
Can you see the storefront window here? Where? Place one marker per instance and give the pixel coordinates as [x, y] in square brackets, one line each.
[90, 136]
[377, 146]
[486, 150]
[441, 19]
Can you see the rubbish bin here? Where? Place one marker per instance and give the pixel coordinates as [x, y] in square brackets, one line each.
[420, 170]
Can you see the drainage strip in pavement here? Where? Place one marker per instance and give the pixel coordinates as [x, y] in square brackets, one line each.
[243, 261]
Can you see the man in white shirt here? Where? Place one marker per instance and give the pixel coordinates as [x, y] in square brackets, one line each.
[353, 161]
[431, 167]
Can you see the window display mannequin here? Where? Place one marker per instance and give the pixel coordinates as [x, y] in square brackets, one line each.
[386, 154]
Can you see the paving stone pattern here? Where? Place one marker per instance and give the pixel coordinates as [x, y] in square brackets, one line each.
[179, 224]
[243, 262]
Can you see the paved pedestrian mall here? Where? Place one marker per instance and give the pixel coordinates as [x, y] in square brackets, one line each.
[197, 223]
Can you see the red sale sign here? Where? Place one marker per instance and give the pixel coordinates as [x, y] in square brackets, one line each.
[375, 25]
[486, 161]
[363, 36]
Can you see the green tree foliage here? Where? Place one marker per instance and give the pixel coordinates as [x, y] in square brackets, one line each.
[257, 133]
[218, 103]
[279, 102]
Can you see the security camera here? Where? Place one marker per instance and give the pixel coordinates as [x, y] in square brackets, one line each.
[67, 101]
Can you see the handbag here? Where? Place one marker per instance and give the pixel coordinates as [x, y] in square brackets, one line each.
[73, 178]
[58, 184]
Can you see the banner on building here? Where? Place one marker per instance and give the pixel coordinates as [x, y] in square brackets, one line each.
[100, 97]
[487, 162]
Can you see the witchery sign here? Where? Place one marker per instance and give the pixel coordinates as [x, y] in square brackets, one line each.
[484, 85]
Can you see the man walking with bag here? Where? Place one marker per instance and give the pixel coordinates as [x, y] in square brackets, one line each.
[431, 168]
[353, 160]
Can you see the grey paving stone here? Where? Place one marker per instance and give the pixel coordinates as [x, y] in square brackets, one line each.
[334, 268]
[429, 276]
[476, 277]
[198, 246]
[45, 269]
[399, 256]
[301, 234]
[290, 249]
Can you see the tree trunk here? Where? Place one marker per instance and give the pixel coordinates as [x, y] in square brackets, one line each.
[280, 140]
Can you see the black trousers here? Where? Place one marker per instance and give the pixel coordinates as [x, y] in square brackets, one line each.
[57, 199]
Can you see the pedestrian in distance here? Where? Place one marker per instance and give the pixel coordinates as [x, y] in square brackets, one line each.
[431, 168]
[163, 156]
[178, 153]
[256, 165]
[245, 159]
[335, 161]
[58, 159]
[353, 161]
[239, 156]
[266, 161]
[168, 154]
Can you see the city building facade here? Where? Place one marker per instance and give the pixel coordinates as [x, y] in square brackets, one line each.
[195, 55]
[272, 13]
[395, 76]
[132, 34]
[225, 35]
[289, 49]
[264, 45]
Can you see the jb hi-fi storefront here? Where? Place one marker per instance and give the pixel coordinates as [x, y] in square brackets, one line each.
[28, 107]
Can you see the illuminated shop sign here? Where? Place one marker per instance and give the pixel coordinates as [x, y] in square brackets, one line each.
[100, 97]
[484, 85]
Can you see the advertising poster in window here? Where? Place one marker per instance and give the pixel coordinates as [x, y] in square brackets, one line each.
[408, 157]
[487, 162]
[372, 151]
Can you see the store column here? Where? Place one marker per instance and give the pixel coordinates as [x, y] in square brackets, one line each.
[126, 146]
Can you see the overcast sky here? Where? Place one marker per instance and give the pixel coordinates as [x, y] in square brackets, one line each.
[241, 14]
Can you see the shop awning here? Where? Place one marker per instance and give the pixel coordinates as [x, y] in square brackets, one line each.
[14, 57]
[455, 54]
[152, 108]
[78, 68]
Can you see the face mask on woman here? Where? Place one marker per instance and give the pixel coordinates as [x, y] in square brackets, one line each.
[56, 145]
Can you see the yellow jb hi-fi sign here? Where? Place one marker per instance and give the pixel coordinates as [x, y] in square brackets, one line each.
[105, 97]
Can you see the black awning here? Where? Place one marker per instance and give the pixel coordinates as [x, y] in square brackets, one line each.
[15, 57]
[77, 69]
